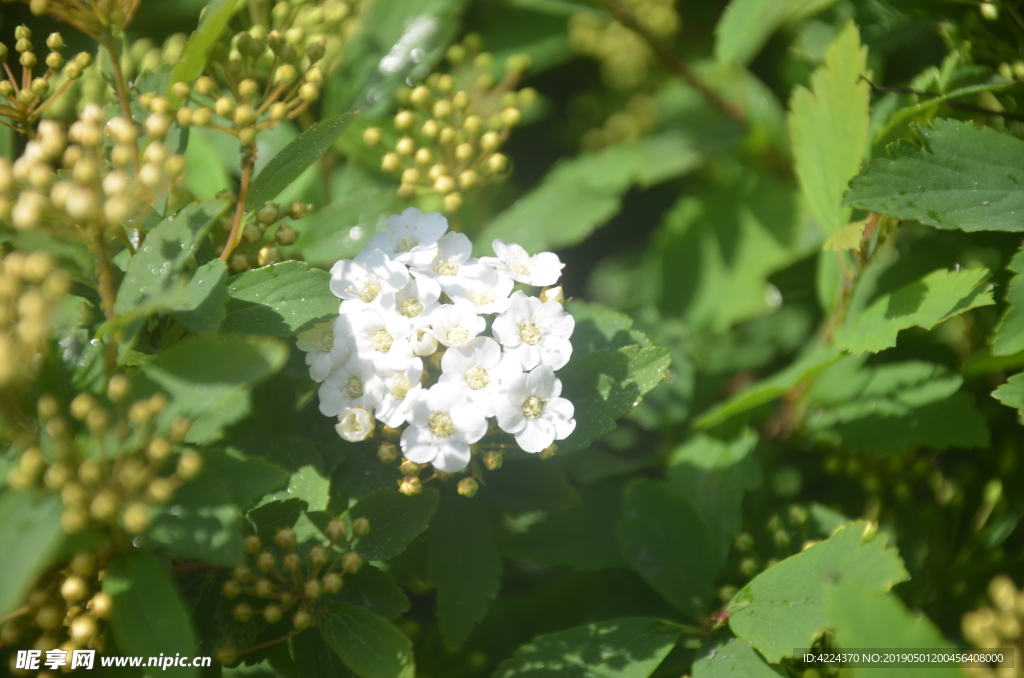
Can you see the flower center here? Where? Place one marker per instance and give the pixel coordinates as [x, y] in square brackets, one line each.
[411, 308]
[477, 377]
[327, 341]
[441, 425]
[381, 341]
[400, 388]
[405, 244]
[482, 297]
[446, 267]
[518, 267]
[458, 334]
[354, 387]
[370, 291]
[353, 423]
[532, 407]
[530, 334]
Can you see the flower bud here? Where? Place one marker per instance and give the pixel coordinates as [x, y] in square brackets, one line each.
[231, 589]
[272, 614]
[83, 629]
[335, 530]
[190, 464]
[391, 162]
[242, 612]
[332, 582]
[302, 620]
[351, 562]
[161, 490]
[227, 655]
[404, 120]
[490, 141]
[268, 255]
[263, 588]
[286, 235]
[468, 487]
[372, 136]
[410, 486]
[101, 605]
[74, 589]
[312, 590]
[309, 92]
[266, 561]
[492, 460]
[285, 538]
[497, 162]
[136, 518]
[387, 453]
[252, 544]
[444, 185]
[452, 202]
[360, 527]
[420, 95]
[291, 562]
[279, 111]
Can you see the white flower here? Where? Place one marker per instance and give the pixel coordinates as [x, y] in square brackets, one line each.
[423, 342]
[380, 337]
[454, 324]
[540, 270]
[355, 424]
[351, 385]
[323, 353]
[367, 276]
[442, 426]
[453, 255]
[411, 237]
[479, 367]
[417, 299]
[535, 333]
[401, 389]
[533, 412]
[483, 287]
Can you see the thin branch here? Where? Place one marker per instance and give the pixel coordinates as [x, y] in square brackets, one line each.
[268, 643]
[248, 163]
[952, 103]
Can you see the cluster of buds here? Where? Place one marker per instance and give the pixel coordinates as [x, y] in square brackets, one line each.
[262, 236]
[118, 475]
[66, 610]
[625, 55]
[447, 136]
[997, 626]
[99, 19]
[79, 183]
[328, 22]
[639, 117]
[412, 483]
[788, 534]
[24, 100]
[30, 288]
[286, 580]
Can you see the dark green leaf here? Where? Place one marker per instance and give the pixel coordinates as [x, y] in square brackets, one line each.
[148, 616]
[246, 478]
[193, 59]
[784, 607]
[367, 644]
[1011, 394]
[734, 659]
[666, 541]
[395, 520]
[524, 485]
[286, 166]
[200, 305]
[964, 176]
[746, 25]
[464, 565]
[210, 534]
[279, 300]
[618, 648]
[30, 530]
[1009, 335]
[314, 659]
[271, 517]
[375, 591]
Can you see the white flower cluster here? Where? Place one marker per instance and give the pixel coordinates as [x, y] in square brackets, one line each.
[416, 291]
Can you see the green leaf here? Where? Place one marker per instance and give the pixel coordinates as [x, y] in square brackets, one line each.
[201, 304]
[31, 533]
[618, 648]
[784, 607]
[1009, 335]
[664, 538]
[326, 235]
[463, 564]
[374, 590]
[148, 616]
[313, 658]
[367, 644]
[964, 176]
[605, 385]
[307, 484]
[829, 127]
[210, 534]
[152, 274]
[846, 238]
[193, 58]
[1011, 394]
[286, 166]
[746, 25]
[938, 296]
[246, 478]
[713, 475]
[863, 618]
[209, 379]
[395, 520]
[772, 388]
[734, 659]
[583, 193]
[578, 537]
[279, 300]
[522, 485]
[271, 517]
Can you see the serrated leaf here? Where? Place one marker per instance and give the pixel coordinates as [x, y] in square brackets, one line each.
[193, 59]
[314, 659]
[208, 379]
[664, 539]
[846, 238]
[148, 616]
[746, 25]
[828, 124]
[279, 300]
[583, 193]
[374, 590]
[713, 475]
[618, 648]
[368, 645]
[1011, 394]
[30, 529]
[938, 296]
[286, 166]
[200, 305]
[272, 516]
[734, 659]
[784, 607]
[463, 565]
[209, 534]
[307, 484]
[772, 388]
[964, 176]
[605, 385]
[246, 478]
[863, 618]
[1009, 335]
[395, 520]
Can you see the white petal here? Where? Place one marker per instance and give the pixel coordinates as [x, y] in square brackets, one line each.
[451, 456]
[537, 435]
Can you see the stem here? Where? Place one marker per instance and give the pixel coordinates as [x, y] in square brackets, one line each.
[16, 613]
[248, 163]
[106, 289]
[115, 65]
[728, 108]
[268, 643]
